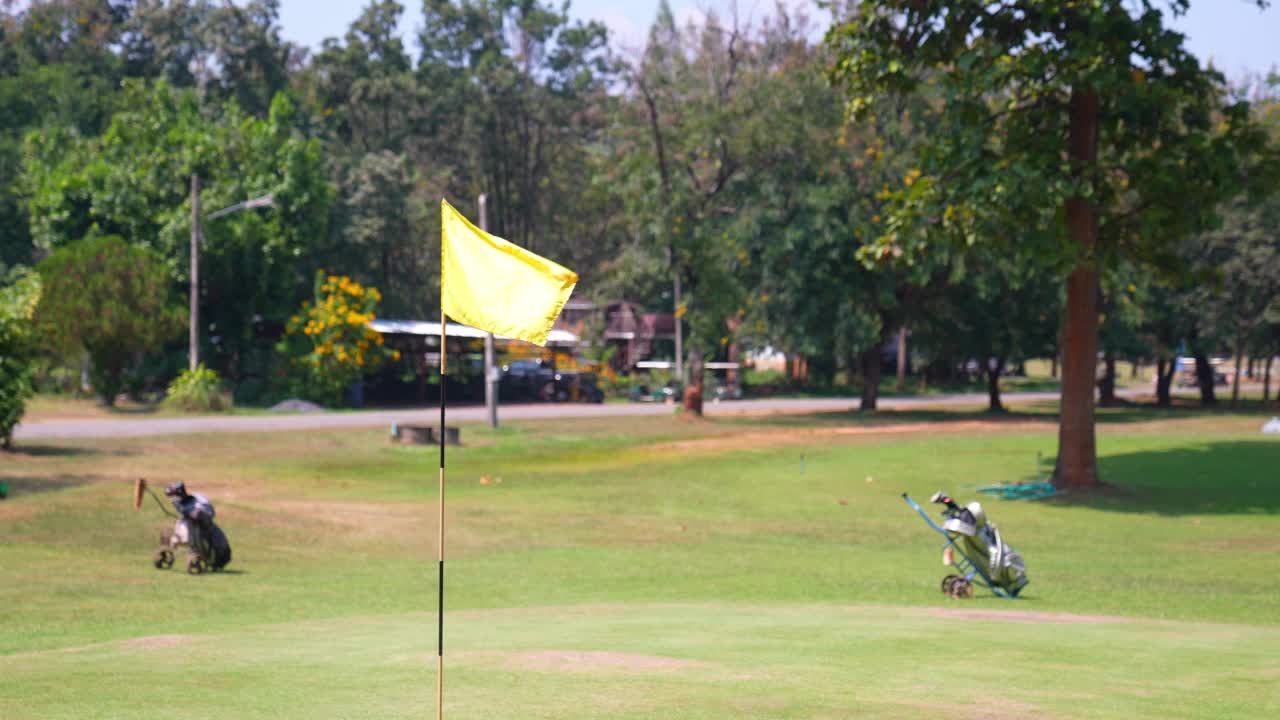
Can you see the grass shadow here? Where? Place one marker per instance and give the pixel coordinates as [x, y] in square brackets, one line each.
[1036, 411]
[28, 485]
[885, 418]
[1211, 478]
[53, 451]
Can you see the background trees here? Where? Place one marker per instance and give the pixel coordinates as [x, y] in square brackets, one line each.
[1084, 126]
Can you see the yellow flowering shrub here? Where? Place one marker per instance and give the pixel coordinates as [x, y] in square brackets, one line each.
[330, 339]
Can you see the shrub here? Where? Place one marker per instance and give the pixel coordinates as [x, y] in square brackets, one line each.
[17, 351]
[331, 343]
[198, 390]
[111, 299]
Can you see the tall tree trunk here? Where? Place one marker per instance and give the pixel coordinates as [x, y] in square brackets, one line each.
[1135, 367]
[1107, 385]
[1204, 378]
[993, 385]
[693, 393]
[902, 358]
[1077, 464]
[1266, 381]
[1165, 370]
[1235, 378]
[870, 362]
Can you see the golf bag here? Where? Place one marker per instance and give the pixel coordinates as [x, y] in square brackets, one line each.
[208, 541]
[195, 528]
[975, 549]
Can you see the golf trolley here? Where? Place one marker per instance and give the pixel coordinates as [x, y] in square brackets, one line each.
[209, 549]
[971, 573]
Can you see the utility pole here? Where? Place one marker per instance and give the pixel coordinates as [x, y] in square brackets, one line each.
[193, 319]
[193, 352]
[490, 369]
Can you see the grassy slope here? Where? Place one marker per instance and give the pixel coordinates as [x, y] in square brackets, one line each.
[700, 566]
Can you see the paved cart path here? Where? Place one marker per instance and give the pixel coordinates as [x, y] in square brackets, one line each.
[138, 427]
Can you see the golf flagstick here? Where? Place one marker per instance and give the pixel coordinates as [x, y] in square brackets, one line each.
[491, 285]
[440, 604]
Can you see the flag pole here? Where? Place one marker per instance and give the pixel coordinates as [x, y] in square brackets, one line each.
[440, 604]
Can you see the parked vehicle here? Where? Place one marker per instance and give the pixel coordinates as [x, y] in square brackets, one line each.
[1186, 373]
[726, 391]
[571, 387]
[669, 392]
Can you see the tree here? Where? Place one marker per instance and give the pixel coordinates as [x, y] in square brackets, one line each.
[1086, 125]
[382, 215]
[17, 349]
[998, 310]
[1122, 304]
[815, 191]
[133, 181]
[111, 299]
[58, 70]
[522, 92]
[364, 85]
[1245, 255]
[253, 62]
[697, 141]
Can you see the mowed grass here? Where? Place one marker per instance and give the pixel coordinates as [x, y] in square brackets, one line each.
[649, 568]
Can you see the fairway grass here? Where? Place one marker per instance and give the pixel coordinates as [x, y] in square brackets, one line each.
[649, 568]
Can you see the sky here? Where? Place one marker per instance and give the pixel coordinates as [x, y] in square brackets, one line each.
[1235, 34]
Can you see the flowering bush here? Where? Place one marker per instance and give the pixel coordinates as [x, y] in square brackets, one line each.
[331, 341]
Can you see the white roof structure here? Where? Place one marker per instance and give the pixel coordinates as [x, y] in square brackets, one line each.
[667, 365]
[425, 327]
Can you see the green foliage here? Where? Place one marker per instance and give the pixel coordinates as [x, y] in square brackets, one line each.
[199, 390]
[17, 349]
[331, 343]
[134, 180]
[111, 299]
[1004, 83]
[521, 89]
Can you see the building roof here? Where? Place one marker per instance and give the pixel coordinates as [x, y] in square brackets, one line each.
[427, 327]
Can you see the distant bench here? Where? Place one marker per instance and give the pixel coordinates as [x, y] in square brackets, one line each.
[423, 435]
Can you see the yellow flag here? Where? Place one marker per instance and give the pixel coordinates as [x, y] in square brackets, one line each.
[490, 284]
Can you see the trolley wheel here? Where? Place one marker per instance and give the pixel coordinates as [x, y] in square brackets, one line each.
[955, 586]
[163, 560]
[196, 565]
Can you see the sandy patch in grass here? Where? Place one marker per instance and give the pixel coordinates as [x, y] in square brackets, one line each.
[382, 520]
[145, 642]
[157, 641]
[1022, 616]
[989, 708]
[588, 661]
[792, 436]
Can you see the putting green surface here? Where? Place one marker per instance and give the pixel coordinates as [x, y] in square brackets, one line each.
[649, 568]
[659, 661]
